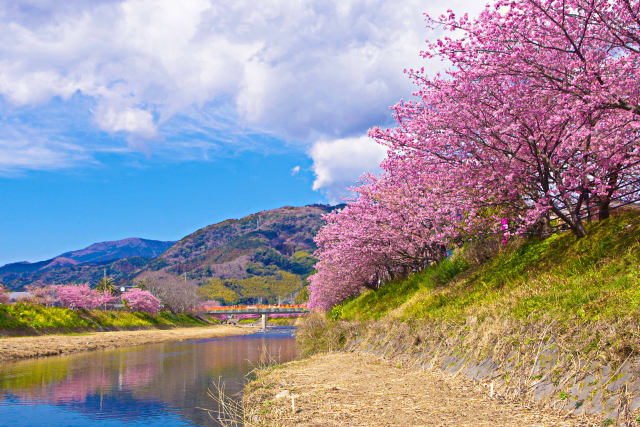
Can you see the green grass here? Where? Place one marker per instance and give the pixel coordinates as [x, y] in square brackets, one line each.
[596, 277]
[35, 318]
[376, 304]
[28, 316]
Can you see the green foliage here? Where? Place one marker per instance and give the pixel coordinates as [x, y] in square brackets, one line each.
[31, 316]
[596, 277]
[302, 265]
[106, 284]
[267, 287]
[218, 290]
[127, 320]
[303, 296]
[259, 269]
[158, 264]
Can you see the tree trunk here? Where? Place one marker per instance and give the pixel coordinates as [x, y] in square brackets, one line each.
[604, 208]
[605, 202]
[578, 228]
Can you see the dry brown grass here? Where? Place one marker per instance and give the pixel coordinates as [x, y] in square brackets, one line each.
[561, 365]
[361, 389]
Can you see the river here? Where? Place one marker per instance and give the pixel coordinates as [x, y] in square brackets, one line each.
[157, 384]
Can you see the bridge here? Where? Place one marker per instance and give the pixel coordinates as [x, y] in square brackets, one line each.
[262, 310]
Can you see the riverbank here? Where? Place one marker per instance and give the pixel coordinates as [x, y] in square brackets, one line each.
[362, 389]
[554, 322]
[16, 348]
[26, 319]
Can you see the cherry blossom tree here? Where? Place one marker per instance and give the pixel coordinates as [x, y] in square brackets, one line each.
[397, 224]
[82, 296]
[537, 117]
[139, 300]
[541, 100]
[42, 294]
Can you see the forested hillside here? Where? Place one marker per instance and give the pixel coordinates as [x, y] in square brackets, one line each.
[262, 257]
[119, 258]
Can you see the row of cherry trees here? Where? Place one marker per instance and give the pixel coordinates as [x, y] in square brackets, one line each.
[83, 297]
[537, 117]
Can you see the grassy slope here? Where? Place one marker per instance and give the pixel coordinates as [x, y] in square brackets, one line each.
[28, 318]
[577, 280]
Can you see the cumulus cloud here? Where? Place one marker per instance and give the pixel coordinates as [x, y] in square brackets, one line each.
[131, 120]
[305, 68]
[338, 164]
[295, 170]
[303, 72]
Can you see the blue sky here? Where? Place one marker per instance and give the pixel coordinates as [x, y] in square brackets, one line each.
[152, 118]
[47, 213]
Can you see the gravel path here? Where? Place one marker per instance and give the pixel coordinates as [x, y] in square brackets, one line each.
[48, 345]
[360, 389]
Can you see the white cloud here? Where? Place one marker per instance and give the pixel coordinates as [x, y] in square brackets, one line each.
[131, 120]
[299, 68]
[309, 71]
[339, 163]
[19, 155]
[295, 170]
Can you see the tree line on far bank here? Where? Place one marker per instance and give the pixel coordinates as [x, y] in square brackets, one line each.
[148, 296]
[151, 293]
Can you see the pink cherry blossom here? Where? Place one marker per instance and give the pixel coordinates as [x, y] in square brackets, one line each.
[143, 301]
[536, 119]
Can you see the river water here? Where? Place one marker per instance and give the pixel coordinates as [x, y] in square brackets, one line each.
[157, 384]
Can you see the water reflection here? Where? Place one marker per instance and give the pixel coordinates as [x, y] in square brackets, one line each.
[161, 384]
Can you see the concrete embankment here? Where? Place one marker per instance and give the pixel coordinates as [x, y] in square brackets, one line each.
[49, 345]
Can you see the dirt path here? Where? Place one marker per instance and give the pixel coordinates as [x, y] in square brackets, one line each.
[363, 390]
[49, 345]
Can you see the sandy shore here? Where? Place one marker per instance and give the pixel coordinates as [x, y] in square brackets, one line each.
[49, 345]
[361, 389]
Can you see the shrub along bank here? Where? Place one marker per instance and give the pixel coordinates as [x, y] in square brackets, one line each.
[554, 319]
[32, 319]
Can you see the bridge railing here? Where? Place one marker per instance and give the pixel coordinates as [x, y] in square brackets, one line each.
[241, 309]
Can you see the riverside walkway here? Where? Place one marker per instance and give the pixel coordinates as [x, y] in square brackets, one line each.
[358, 389]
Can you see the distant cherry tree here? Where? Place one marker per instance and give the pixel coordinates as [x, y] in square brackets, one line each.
[82, 296]
[140, 300]
[41, 294]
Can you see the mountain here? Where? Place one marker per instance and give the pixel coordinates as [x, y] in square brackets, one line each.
[112, 251]
[265, 256]
[120, 258]
[261, 257]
